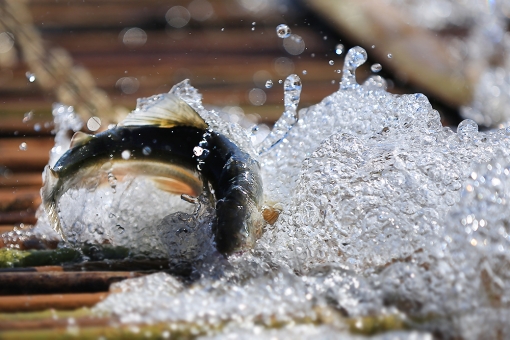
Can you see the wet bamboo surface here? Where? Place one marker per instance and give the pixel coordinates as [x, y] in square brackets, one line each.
[220, 55]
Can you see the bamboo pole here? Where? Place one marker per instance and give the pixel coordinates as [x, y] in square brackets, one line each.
[24, 303]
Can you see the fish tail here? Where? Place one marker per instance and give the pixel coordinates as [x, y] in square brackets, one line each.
[49, 191]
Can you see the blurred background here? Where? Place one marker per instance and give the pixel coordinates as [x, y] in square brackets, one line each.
[99, 56]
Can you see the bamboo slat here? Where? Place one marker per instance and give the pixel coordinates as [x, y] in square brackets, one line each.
[24, 303]
[60, 282]
[35, 156]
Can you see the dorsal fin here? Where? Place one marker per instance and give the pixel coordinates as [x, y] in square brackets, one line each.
[80, 138]
[166, 111]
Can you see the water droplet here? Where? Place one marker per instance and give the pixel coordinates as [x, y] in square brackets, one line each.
[126, 154]
[325, 37]
[269, 84]
[312, 55]
[30, 76]
[197, 151]
[112, 180]
[355, 57]
[466, 129]
[254, 23]
[280, 81]
[37, 127]
[376, 67]
[253, 28]
[339, 49]
[373, 46]
[146, 151]
[28, 116]
[23, 146]
[331, 62]
[390, 55]
[283, 31]
[222, 29]
[304, 72]
[94, 123]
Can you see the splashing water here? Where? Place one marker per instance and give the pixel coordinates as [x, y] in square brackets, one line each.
[292, 91]
[384, 213]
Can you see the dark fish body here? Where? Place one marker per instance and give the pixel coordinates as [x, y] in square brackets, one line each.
[174, 145]
[233, 175]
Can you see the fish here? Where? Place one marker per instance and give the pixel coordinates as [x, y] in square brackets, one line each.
[170, 142]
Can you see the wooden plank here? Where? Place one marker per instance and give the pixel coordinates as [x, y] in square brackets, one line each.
[25, 303]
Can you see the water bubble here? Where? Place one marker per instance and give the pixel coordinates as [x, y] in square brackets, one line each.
[128, 85]
[269, 84]
[304, 72]
[253, 23]
[294, 44]
[280, 81]
[283, 31]
[177, 16]
[126, 154]
[37, 127]
[133, 37]
[283, 66]
[6, 42]
[28, 116]
[339, 49]
[222, 29]
[331, 62]
[120, 229]
[466, 129]
[257, 97]
[200, 10]
[146, 151]
[390, 55]
[253, 28]
[94, 123]
[30, 76]
[23, 146]
[373, 46]
[376, 67]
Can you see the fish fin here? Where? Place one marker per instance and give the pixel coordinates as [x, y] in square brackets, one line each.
[80, 138]
[48, 195]
[166, 111]
[174, 186]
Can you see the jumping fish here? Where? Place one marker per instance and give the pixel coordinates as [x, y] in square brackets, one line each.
[169, 141]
